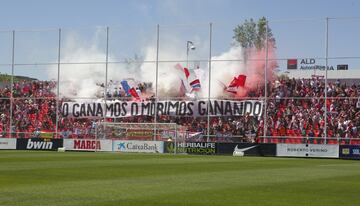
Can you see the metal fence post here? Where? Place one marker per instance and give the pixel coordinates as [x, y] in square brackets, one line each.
[326, 75]
[58, 85]
[12, 82]
[209, 89]
[156, 78]
[265, 82]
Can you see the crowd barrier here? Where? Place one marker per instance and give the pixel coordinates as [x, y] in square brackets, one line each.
[200, 148]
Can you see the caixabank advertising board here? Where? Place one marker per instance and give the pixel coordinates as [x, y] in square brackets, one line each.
[138, 146]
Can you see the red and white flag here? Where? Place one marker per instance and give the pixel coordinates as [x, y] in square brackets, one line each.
[237, 82]
[184, 69]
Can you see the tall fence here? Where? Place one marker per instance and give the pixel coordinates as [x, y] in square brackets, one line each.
[307, 81]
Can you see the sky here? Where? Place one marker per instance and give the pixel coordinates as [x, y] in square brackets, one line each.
[39, 14]
[298, 27]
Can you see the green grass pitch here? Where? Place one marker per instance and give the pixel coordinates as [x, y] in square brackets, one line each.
[104, 179]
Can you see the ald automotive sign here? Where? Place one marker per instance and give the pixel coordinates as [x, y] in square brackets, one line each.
[138, 146]
[310, 64]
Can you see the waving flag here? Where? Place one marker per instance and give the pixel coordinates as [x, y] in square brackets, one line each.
[182, 90]
[195, 85]
[134, 94]
[237, 82]
[125, 86]
[184, 69]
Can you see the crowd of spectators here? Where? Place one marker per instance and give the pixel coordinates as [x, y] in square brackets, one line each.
[297, 108]
[295, 113]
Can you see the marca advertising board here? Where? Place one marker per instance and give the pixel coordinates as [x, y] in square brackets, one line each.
[88, 145]
[38, 144]
[349, 151]
[138, 146]
[246, 149]
[7, 143]
[208, 148]
[307, 150]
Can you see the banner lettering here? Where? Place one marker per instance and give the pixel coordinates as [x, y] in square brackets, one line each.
[118, 109]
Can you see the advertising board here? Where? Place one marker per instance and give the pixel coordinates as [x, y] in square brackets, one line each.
[246, 149]
[349, 151]
[138, 146]
[7, 143]
[88, 145]
[191, 147]
[307, 150]
[38, 144]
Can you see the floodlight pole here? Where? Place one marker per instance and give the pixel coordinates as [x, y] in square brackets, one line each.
[265, 78]
[326, 74]
[58, 84]
[106, 75]
[209, 89]
[156, 78]
[12, 81]
[188, 43]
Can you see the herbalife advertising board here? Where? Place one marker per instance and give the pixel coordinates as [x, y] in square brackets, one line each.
[7, 143]
[307, 150]
[191, 147]
[138, 146]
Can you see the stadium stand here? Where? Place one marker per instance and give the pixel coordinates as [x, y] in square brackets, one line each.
[295, 114]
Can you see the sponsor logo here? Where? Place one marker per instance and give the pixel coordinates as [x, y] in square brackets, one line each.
[87, 144]
[342, 67]
[307, 61]
[193, 147]
[308, 150]
[39, 144]
[346, 151]
[241, 151]
[125, 146]
[310, 64]
[350, 151]
[121, 146]
[292, 64]
[356, 151]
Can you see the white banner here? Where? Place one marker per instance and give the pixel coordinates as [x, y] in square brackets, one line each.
[88, 145]
[307, 150]
[138, 146]
[118, 109]
[7, 143]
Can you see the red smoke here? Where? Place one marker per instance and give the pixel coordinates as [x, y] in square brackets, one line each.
[255, 69]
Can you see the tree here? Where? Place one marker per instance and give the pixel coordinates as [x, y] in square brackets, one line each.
[252, 34]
